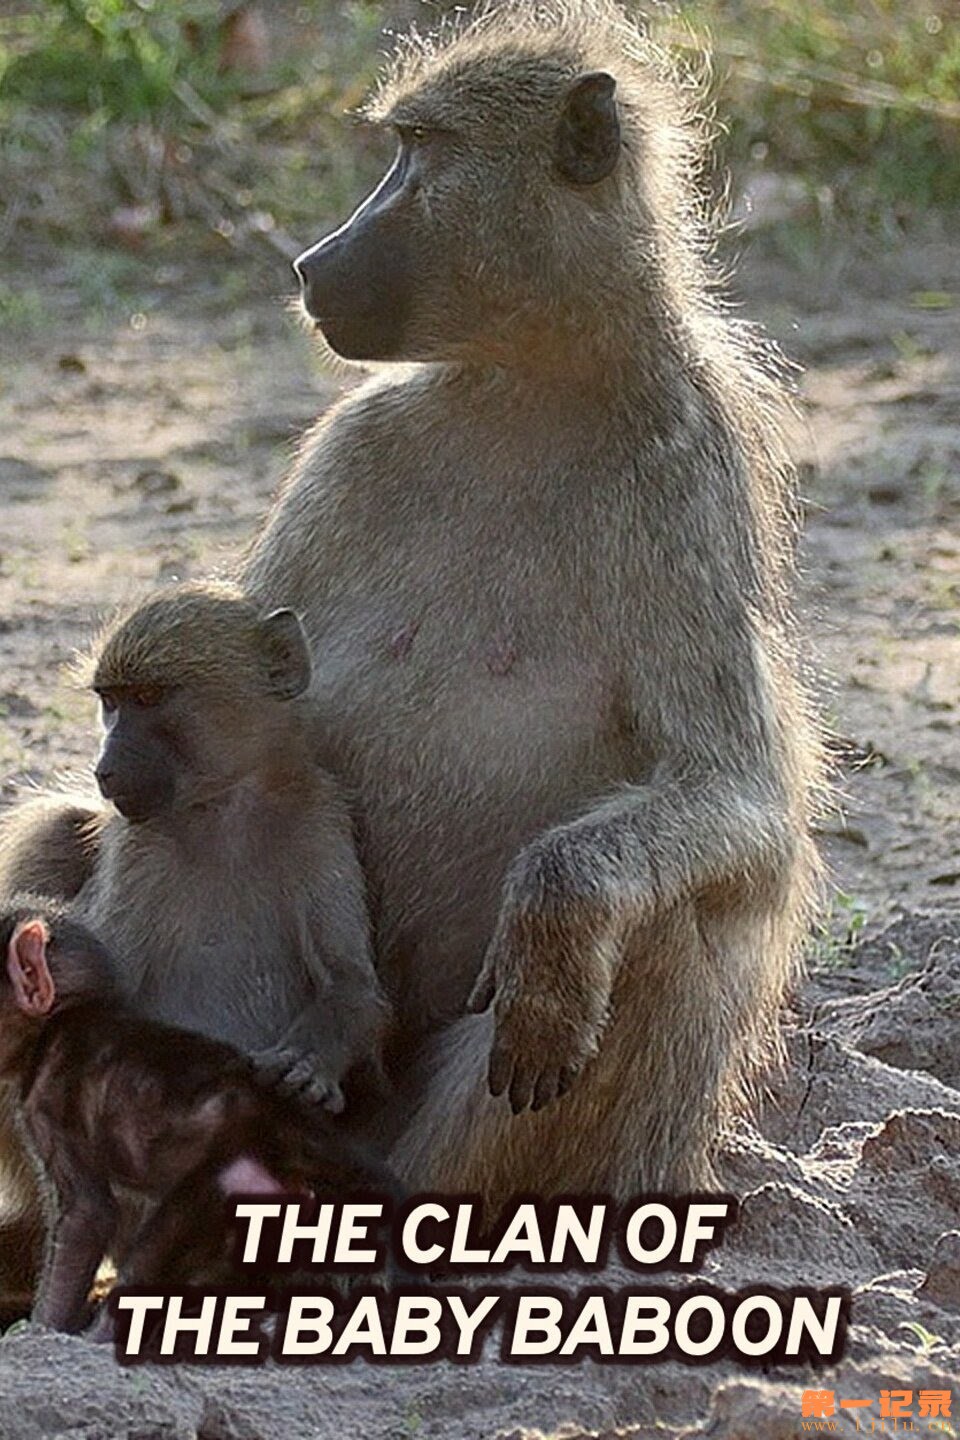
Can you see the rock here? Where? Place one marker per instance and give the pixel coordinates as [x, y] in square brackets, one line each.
[829, 1084]
[942, 1282]
[906, 1186]
[17, 705]
[156, 482]
[129, 225]
[888, 494]
[16, 471]
[788, 1236]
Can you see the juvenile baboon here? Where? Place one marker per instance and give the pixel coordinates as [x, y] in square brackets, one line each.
[115, 1104]
[225, 874]
[228, 878]
[545, 554]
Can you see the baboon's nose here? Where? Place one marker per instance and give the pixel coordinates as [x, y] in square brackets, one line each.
[304, 267]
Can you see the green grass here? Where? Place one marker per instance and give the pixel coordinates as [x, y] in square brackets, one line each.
[21, 309]
[927, 1341]
[837, 935]
[122, 103]
[119, 59]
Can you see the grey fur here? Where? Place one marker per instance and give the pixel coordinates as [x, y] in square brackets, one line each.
[545, 572]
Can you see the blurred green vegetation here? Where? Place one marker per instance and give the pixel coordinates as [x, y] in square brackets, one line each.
[127, 106]
[860, 95]
[121, 117]
[117, 59]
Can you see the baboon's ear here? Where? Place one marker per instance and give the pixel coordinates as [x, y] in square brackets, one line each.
[33, 986]
[588, 132]
[287, 654]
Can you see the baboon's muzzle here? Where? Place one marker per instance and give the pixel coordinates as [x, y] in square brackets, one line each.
[356, 283]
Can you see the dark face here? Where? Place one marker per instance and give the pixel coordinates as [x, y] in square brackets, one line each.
[358, 283]
[137, 769]
[452, 241]
[169, 747]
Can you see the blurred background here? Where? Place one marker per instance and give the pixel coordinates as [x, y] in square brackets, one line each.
[161, 161]
[129, 118]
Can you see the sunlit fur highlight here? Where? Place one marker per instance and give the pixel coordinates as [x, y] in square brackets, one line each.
[202, 634]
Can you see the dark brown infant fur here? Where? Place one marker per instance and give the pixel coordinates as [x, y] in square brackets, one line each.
[115, 1105]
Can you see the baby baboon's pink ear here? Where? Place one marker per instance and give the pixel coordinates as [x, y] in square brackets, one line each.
[27, 967]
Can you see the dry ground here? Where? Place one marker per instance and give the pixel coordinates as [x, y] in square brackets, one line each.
[144, 422]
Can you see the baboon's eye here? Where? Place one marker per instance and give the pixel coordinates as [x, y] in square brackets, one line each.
[145, 697]
[413, 134]
[108, 702]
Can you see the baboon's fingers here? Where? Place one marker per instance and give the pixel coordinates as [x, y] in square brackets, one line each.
[481, 996]
[319, 1091]
[303, 1080]
[297, 1078]
[546, 1089]
[331, 1097]
[273, 1065]
[526, 1086]
[553, 1084]
[521, 1087]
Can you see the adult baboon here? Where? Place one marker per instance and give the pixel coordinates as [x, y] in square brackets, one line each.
[544, 555]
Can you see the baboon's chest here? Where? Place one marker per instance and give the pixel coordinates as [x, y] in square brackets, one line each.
[465, 608]
[220, 956]
[481, 688]
[467, 717]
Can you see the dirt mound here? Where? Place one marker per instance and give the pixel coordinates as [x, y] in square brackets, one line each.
[915, 1023]
[150, 449]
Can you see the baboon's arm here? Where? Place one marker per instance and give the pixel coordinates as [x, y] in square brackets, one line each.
[346, 1020]
[355, 1005]
[647, 846]
[574, 896]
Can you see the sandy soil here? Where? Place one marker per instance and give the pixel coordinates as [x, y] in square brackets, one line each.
[144, 441]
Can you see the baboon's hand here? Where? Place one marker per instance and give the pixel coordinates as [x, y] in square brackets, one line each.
[301, 1073]
[549, 974]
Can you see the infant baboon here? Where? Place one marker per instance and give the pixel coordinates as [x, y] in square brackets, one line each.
[116, 1105]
